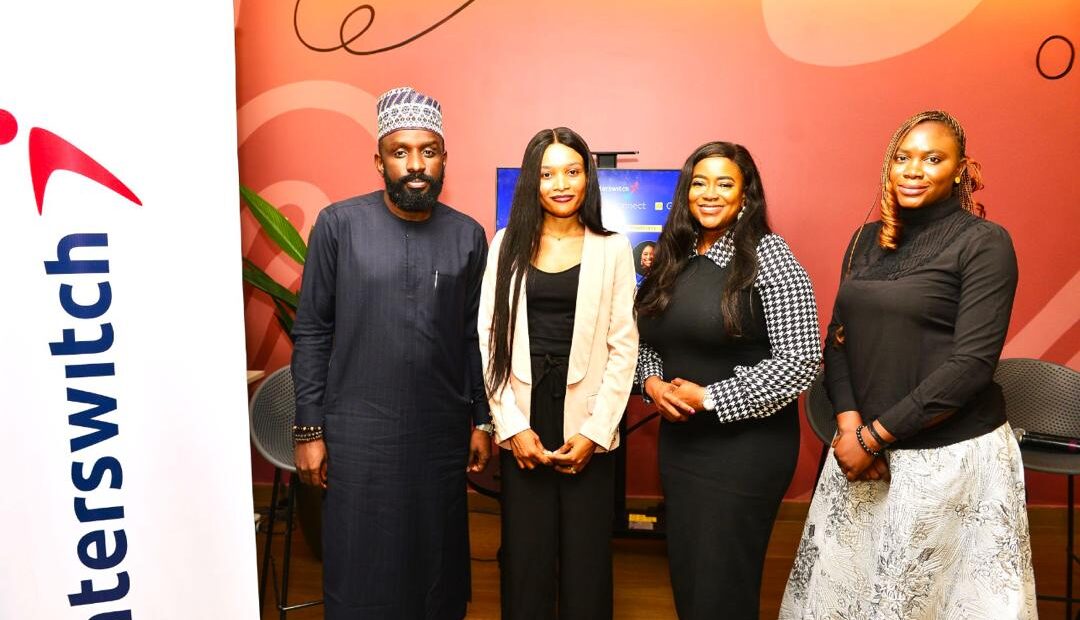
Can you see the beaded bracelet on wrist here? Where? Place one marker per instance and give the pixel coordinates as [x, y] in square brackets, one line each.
[873, 433]
[304, 434]
[858, 435]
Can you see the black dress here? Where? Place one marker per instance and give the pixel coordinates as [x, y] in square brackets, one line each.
[556, 528]
[724, 473]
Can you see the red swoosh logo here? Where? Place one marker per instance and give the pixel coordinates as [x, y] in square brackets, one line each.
[49, 153]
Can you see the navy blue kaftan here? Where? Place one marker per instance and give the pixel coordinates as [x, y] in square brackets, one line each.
[386, 359]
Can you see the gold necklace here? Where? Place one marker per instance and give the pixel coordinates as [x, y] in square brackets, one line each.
[560, 238]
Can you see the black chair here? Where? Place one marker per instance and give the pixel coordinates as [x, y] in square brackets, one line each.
[819, 413]
[271, 415]
[1043, 397]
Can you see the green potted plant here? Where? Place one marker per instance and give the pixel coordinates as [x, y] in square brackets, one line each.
[283, 234]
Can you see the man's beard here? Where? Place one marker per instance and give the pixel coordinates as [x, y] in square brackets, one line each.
[407, 199]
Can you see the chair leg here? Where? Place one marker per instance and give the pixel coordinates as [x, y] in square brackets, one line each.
[269, 540]
[293, 482]
[1070, 554]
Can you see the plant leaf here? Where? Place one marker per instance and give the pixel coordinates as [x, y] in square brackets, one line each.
[277, 226]
[284, 318]
[258, 278]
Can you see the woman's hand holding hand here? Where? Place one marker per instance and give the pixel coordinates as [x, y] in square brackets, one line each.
[667, 401]
[690, 393]
[849, 453]
[878, 470]
[853, 460]
[848, 421]
[573, 456]
[528, 451]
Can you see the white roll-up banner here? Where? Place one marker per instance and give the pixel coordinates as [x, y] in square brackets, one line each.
[127, 477]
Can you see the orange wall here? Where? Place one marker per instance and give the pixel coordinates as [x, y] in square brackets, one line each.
[814, 94]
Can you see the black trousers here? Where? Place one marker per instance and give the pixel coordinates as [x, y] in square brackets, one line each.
[556, 541]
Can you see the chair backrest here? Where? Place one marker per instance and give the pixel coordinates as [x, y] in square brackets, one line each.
[819, 410]
[271, 415]
[1040, 396]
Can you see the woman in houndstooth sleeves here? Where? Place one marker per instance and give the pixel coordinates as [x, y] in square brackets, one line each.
[729, 338]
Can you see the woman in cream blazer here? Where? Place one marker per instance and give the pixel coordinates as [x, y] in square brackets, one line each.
[559, 344]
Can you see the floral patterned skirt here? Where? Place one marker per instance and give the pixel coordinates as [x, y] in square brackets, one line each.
[946, 538]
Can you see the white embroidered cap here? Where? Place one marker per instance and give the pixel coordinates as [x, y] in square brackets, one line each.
[406, 108]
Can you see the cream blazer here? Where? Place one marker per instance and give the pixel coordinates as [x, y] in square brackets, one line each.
[603, 350]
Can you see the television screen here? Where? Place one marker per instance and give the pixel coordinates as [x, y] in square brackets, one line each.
[634, 202]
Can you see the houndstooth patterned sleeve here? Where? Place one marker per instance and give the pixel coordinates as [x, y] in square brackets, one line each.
[791, 319]
[649, 364]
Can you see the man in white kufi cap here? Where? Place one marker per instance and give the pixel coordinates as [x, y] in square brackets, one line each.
[390, 401]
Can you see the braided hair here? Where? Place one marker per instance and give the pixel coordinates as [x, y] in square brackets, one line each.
[889, 235]
[970, 177]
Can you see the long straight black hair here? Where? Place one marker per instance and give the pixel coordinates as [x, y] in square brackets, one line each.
[681, 231]
[521, 241]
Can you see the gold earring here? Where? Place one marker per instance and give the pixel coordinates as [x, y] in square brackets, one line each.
[957, 180]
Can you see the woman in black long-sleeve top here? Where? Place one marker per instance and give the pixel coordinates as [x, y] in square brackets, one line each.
[921, 514]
